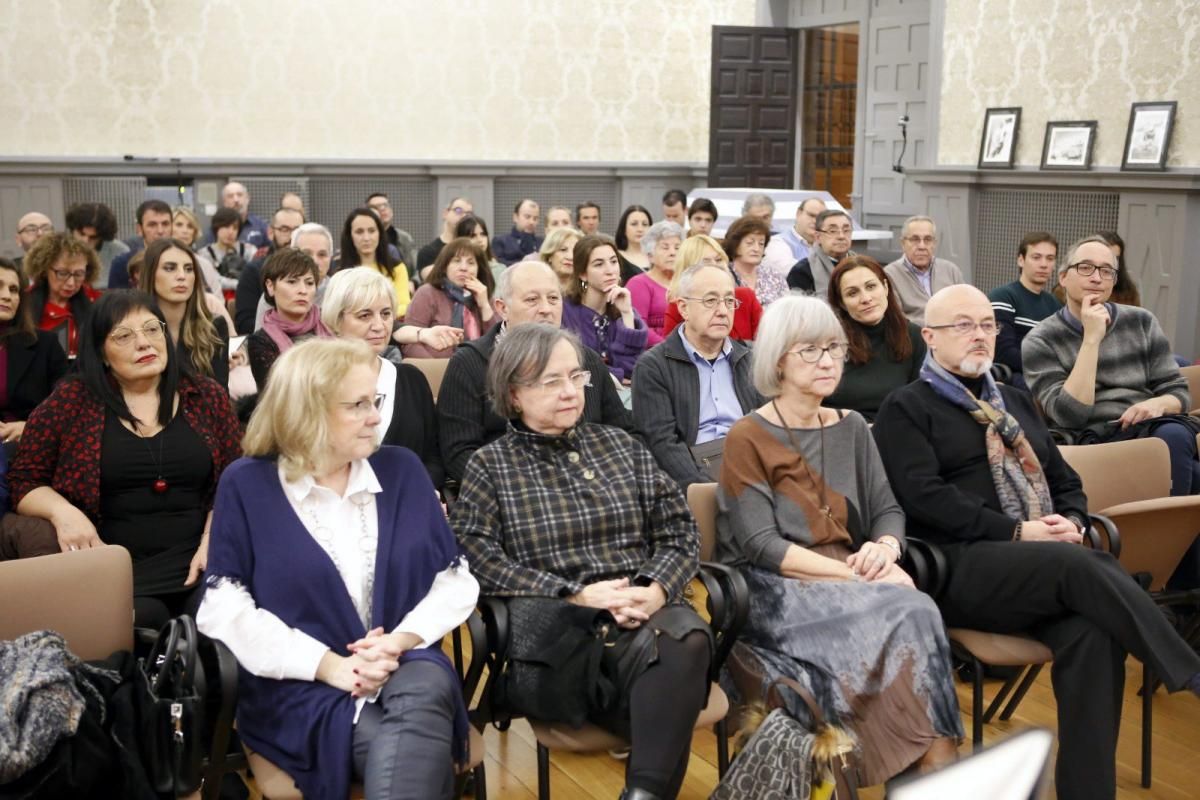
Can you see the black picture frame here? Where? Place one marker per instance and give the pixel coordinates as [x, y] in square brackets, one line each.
[1148, 137]
[998, 144]
[1069, 145]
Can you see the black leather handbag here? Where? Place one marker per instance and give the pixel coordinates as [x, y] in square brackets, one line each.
[171, 709]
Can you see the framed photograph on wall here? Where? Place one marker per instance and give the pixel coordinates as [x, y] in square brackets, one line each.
[1149, 135]
[998, 148]
[1068, 145]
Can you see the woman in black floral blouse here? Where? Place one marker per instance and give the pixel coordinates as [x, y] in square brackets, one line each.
[559, 514]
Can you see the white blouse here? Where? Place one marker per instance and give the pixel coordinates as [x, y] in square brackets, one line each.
[385, 385]
[347, 528]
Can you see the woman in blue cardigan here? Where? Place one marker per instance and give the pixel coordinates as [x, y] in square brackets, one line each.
[333, 576]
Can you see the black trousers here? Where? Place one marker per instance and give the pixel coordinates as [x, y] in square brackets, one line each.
[1084, 606]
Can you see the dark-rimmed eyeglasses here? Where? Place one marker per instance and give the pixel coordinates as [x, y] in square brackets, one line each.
[811, 354]
[1088, 269]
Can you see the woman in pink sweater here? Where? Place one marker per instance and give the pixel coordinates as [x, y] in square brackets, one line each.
[648, 291]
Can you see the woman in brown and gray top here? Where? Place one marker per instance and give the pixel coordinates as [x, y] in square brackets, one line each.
[807, 515]
[560, 513]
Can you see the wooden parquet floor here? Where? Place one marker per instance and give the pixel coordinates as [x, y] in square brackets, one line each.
[512, 758]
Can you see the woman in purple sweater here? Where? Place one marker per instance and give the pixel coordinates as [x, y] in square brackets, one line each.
[599, 310]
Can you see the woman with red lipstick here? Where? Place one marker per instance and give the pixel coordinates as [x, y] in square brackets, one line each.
[171, 275]
[885, 349]
[455, 298]
[31, 361]
[600, 311]
[360, 304]
[128, 451]
[61, 270]
[290, 279]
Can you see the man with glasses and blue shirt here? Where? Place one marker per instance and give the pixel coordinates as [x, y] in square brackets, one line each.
[834, 230]
[691, 387]
[919, 274]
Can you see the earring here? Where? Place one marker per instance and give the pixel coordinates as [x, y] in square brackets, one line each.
[583, 284]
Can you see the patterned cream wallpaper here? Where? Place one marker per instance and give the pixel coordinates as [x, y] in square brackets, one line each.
[577, 80]
[1068, 60]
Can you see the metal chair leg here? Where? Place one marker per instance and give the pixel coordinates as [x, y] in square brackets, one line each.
[543, 769]
[977, 705]
[1147, 721]
[1001, 695]
[480, 782]
[722, 731]
[456, 642]
[1022, 690]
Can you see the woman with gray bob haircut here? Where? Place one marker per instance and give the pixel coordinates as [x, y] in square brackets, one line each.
[648, 291]
[806, 514]
[577, 525]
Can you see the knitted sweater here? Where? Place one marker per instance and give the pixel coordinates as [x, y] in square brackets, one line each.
[912, 294]
[864, 387]
[1134, 364]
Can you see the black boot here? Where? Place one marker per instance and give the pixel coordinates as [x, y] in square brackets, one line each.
[637, 794]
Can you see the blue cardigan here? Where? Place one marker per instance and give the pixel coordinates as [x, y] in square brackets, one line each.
[306, 727]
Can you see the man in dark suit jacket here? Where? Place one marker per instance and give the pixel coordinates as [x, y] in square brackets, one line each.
[1008, 513]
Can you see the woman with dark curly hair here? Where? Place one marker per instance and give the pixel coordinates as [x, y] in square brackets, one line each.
[96, 225]
[61, 271]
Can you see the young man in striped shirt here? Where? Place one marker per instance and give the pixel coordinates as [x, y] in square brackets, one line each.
[1025, 302]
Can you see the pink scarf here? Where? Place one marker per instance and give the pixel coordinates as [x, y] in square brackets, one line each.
[283, 331]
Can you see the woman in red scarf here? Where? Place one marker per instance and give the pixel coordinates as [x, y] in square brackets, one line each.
[61, 270]
[290, 279]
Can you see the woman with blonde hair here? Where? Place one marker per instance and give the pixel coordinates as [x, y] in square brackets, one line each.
[360, 304]
[558, 251]
[332, 576]
[700, 248]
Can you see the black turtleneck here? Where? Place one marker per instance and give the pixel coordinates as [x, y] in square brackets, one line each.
[864, 386]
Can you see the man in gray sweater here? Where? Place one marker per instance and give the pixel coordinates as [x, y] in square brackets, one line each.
[919, 274]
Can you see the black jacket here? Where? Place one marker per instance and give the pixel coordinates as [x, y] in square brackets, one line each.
[34, 366]
[414, 421]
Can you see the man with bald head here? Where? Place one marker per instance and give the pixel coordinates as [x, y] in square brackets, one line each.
[979, 475]
[30, 228]
[253, 230]
[528, 291]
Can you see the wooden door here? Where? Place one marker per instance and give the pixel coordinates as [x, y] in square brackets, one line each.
[752, 119]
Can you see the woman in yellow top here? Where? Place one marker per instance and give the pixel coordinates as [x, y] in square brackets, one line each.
[364, 245]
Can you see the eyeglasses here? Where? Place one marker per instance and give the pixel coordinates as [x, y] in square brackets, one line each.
[1087, 269]
[811, 354]
[710, 302]
[846, 231]
[459, 211]
[378, 205]
[362, 408]
[31, 229]
[124, 337]
[65, 275]
[965, 327]
[284, 229]
[925, 240]
[550, 386]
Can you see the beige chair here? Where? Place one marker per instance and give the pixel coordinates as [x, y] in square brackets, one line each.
[86, 596]
[434, 370]
[1192, 374]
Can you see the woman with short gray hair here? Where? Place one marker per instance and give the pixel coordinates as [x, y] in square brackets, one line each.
[807, 515]
[559, 514]
[648, 291]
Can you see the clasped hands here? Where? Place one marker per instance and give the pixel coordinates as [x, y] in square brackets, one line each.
[371, 662]
[875, 561]
[1051, 528]
[630, 605]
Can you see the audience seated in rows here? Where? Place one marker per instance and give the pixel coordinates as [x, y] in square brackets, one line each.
[251, 229]
[230, 255]
[342, 677]
[170, 275]
[744, 243]
[674, 207]
[456, 294]
[364, 245]
[61, 269]
[527, 292]
[558, 251]
[977, 472]
[631, 227]
[599, 310]
[885, 350]
[648, 291]
[128, 451]
[690, 389]
[290, 279]
[311, 238]
[806, 514]
[794, 243]
[475, 229]
[34, 361]
[919, 274]
[700, 248]
[153, 222]
[522, 240]
[400, 242]
[623, 541]
[452, 215]
[30, 228]
[701, 216]
[587, 218]
[834, 229]
[95, 225]
[361, 305]
[1025, 302]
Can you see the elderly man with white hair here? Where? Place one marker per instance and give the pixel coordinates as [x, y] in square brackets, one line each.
[978, 474]
[526, 292]
[253, 229]
[919, 274]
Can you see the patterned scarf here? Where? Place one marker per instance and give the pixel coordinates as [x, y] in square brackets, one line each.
[284, 332]
[462, 316]
[1016, 472]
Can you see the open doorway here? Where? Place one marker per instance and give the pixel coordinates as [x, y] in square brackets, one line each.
[828, 102]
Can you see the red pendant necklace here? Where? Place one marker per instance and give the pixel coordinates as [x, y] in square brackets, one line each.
[160, 485]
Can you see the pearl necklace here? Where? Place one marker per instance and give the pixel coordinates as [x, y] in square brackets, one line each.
[368, 545]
